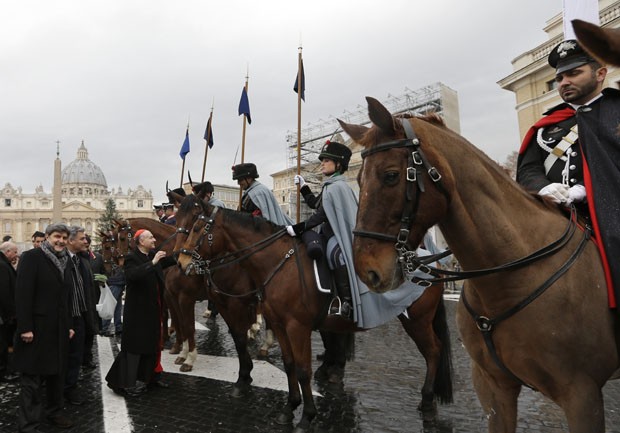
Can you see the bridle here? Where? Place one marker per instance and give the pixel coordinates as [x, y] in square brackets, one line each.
[417, 164]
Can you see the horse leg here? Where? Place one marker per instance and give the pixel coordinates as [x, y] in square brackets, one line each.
[290, 368]
[268, 342]
[498, 400]
[255, 328]
[299, 337]
[584, 407]
[187, 319]
[173, 306]
[239, 317]
[419, 326]
[183, 354]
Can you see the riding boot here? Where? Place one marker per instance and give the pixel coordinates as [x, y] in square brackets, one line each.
[343, 304]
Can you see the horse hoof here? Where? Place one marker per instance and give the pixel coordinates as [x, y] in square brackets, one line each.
[239, 391]
[285, 418]
[180, 360]
[186, 367]
[263, 353]
[174, 351]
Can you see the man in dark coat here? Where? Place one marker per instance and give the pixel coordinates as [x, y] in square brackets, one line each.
[43, 331]
[95, 260]
[572, 155]
[142, 340]
[8, 252]
[82, 307]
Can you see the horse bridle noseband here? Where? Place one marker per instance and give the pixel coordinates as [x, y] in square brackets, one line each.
[417, 163]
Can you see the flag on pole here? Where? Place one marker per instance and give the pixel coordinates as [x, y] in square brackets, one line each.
[303, 82]
[209, 133]
[586, 10]
[244, 106]
[185, 147]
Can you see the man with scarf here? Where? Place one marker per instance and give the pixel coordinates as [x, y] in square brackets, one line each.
[257, 199]
[572, 155]
[82, 307]
[43, 329]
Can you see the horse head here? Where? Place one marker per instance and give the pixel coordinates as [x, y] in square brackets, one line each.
[124, 240]
[190, 208]
[404, 190]
[603, 44]
[108, 249]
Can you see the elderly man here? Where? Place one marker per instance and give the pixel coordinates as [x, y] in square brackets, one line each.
[8, 253]
[43, 331]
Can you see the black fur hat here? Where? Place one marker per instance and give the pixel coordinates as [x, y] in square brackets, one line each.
[247, 169]
[337, 152]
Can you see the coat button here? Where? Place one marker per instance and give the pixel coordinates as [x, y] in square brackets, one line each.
[573, 180]
[573, 154]
[572, 167]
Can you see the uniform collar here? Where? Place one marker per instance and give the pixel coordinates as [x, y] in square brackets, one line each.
[577, 106]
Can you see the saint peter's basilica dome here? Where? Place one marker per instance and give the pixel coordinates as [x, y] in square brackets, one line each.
[82, 171]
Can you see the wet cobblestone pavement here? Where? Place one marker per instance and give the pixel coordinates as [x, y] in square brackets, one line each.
[380, 395]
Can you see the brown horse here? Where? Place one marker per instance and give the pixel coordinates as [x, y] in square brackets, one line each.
[283, 278]
[184, 291]
[546, 323]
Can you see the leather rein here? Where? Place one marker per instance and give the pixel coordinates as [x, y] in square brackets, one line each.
[410, 262]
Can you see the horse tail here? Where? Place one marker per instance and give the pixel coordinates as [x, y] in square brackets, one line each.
[443, 379]
[349, 346]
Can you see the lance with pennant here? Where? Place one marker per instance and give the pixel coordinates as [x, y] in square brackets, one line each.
[208, 141]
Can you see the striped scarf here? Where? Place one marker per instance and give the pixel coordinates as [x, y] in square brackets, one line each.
[77, 300]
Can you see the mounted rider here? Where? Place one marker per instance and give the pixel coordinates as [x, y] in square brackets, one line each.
[257, 199]
[572, 154]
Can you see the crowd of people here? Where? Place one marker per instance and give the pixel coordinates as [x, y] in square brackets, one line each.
[49, 320]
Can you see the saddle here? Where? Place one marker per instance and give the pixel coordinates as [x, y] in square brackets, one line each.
[315, 247]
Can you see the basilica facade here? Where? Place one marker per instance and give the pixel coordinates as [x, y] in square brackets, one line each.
[82, 196]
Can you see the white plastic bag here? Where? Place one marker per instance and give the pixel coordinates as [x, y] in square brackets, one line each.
[106, 304]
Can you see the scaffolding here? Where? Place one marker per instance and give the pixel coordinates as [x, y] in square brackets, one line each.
[418, 102]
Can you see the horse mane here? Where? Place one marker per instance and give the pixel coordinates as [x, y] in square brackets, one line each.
[257, 223]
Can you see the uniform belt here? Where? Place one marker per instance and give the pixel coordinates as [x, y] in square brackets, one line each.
[561, 148]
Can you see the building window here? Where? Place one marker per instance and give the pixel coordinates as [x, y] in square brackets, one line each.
[8, 227]
[552, 85]
[7, 202]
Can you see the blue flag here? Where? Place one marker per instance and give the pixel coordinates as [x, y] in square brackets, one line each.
[209, 133]
[185, 148]
[303, 82]
[244, 105]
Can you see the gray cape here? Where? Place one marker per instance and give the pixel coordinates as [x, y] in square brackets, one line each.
[371, 309]
[264, 199]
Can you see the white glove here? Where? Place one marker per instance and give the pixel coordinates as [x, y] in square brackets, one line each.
[299, 181]
[576, 193]
[289, 229]
[558, 192]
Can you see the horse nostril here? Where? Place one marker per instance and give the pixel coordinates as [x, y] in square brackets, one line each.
[373, 278]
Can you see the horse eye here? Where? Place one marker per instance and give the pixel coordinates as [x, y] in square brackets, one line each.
[390, 178]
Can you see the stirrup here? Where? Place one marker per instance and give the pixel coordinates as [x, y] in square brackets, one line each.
[335, 307]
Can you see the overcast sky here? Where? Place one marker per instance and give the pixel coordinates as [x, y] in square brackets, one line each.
[125, 76]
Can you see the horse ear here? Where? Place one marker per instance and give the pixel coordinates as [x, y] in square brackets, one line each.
[603, 44]
[381, 117]
[356, 132]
